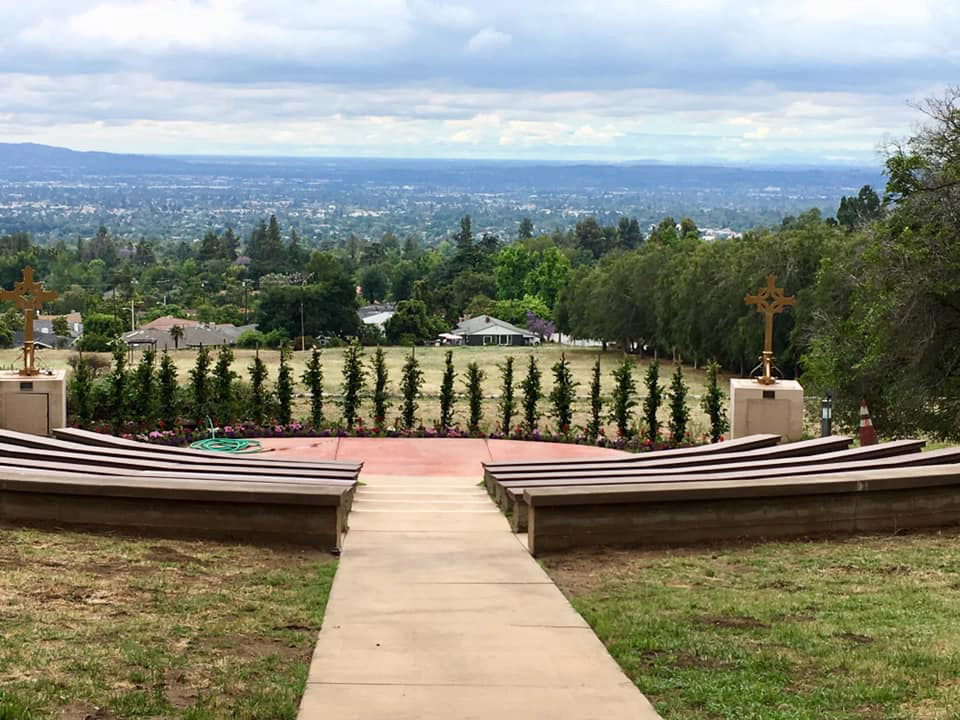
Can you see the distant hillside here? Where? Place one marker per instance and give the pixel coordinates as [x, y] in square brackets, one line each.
[17, 159]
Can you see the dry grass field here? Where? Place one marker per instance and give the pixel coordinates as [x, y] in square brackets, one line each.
[432, 361]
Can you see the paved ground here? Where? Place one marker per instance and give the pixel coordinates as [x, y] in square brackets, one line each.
[438, 611]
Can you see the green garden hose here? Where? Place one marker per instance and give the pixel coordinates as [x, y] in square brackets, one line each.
[235, 446]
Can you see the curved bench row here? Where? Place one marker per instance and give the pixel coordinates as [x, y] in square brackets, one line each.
[610, 488]
[44, 480]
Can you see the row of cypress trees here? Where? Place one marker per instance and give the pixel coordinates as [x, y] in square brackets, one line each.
[149, 394]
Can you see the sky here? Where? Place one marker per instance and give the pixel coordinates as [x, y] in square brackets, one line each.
[739, 82]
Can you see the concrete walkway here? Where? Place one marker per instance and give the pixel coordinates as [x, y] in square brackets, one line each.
[438, 611]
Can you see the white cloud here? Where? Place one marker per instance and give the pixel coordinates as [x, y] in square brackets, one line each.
[488, 40]
[621, 80]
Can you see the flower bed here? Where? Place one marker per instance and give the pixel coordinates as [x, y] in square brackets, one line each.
[183, 434]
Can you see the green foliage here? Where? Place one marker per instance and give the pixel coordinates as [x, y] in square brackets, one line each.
[507, 405]
[223, 377]
[145, 389]
[313, 378]
[530, 386]
[474, 381]
[284, 387]
[251, 339]
[99, 332]
[118, 384]
[380, 393]
[81, 391]
[6, 335]
[515, 311]
[258, 392]
[563, 393]
[855, 212]
[623, 397]
[448, 396]
[329, 308]
[411, 380]
[713, 404]
[595, 423]
[412, 324]
[176, 334]
[200, 384]
[679, 412]
[652, 400]
[353, 380]
[167, 386]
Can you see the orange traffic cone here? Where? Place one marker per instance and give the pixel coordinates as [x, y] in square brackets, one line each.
[868, 435]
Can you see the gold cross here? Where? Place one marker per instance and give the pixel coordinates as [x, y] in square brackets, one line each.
[771, 301]
[28, 296]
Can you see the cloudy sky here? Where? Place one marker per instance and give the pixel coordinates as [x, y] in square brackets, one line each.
[798, 81]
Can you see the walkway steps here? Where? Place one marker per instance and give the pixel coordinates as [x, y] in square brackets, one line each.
[442, 613]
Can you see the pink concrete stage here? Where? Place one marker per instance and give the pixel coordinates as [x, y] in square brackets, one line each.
[456, 457]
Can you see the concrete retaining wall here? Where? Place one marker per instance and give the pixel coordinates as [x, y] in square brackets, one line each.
[868, 501]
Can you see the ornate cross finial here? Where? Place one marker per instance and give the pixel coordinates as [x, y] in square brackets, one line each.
[28, 296]
[770, 301]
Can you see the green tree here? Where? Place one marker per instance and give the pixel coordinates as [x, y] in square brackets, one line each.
[525, 229]
[167, 385]
[713, 405]
[145, 389]
[652, 400]
[258, 392]
[474, 382]
[284, 387]
[81, 392]
[412, 324]
[507, 403]
[624, 397]
[530, 386]
[411, 380]
[118, 385]
[199, 383]
[313, 378]
[353, 380]
[563, 393]
[176, 334]
[380, 391]
[679, 412]
[61, 328]
[448, 396]
[223, 385]
[595, 423]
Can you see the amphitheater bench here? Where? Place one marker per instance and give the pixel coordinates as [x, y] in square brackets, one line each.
[289, 513]
[516, 504]
[886, 500]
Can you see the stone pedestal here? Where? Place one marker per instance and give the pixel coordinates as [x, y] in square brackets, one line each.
[33, 404]
[756, 408]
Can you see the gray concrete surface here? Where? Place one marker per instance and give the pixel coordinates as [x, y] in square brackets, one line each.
[442, 613]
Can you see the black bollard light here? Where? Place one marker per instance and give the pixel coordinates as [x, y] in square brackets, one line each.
[826, 415]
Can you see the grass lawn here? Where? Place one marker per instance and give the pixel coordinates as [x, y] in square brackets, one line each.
[103, 626]
[852, 628]
[432, 363]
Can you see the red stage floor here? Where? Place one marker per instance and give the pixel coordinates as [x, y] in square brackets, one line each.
[426, 456]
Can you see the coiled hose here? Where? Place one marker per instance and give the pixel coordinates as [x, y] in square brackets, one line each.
[234, 446]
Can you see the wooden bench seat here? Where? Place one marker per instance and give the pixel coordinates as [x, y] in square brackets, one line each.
[884, 500]
[298, 513]
[750, 442]
[29, 454]
[617, 472]
[135, 449]
[514, 494]
[803, 448]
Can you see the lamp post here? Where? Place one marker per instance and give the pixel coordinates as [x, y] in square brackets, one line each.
[826, 415]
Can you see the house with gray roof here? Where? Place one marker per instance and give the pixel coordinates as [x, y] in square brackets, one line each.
[488, 330]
